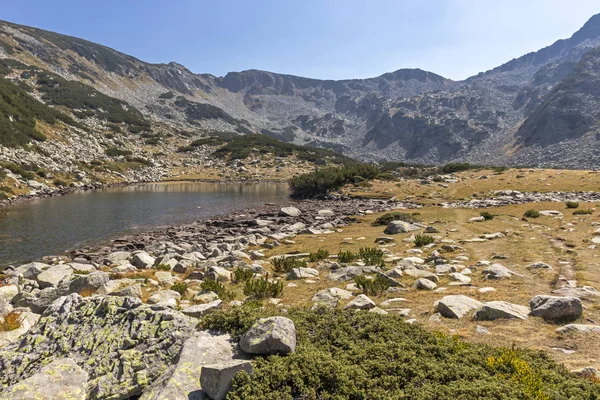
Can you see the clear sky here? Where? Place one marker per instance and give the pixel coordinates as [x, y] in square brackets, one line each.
[327, 39]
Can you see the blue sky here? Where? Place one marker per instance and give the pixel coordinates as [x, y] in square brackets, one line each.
[327, 39]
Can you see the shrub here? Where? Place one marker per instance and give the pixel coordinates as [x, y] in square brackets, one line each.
[242, 275]
[321, 181]
[582, 212]
[487, 215]
[283, 265]
[179, 287]
[423, 240]
[162, 267]
[318, 255]
[531, 214]
[116, 152]
[393, 216]
[372, 287]
[572, 204]
[167, 95]
[457, 167]
[342, 354]
[59, 182]
[263, 288]
[24, 171]
[371, 256]
[210, 285]
[347, 256]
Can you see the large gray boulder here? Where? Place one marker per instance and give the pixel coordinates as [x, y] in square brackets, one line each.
[274, 335]
[181, 380]
[9, 292]
[424, 284]
[555, 308]
[62, 379]
[303, 273]
[53, 275]
[216, 379]
[361, 302]
[142, 260]
[493, 310]
[31, 270]
[88, 283]
[396, 227]
[456, 306]
[289, 212]
[330, 297]
[122, 344]
[578, 328]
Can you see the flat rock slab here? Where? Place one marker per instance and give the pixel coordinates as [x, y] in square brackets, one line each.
[456, 306]
[62, 379]
[494, 310]
[200, 310]
[578, 328]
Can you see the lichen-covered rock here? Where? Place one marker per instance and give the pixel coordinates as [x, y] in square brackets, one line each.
[274, 335]
[122, 344]
[181, 380]
[216, 379]
[62, 379]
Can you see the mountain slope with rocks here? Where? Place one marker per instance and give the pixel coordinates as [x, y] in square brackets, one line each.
[502, 116]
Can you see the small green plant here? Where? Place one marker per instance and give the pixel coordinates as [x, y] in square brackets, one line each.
[393, 216]
[372, 287]
[283, 265]
[531, 214]
[59, 182]
[347, 256]
[318, 255]
[242, 275]
[162, 267]
[180, 287]
[583, 212]
[210, 285]
[423, 240]
[263, 288]
[572, 204]
[487, 215]
[371, 256]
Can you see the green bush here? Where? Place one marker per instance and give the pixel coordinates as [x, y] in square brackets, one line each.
[318, 255]
[167, 95]
[531, 214]
[347, 256]
[572, 204]
[162, 267]
[342, 354]
[487, 215]
[263, 288]
[372, 287]
[321, 181]
[423, 240]
[242, 275]
[457, 167]
[210, 285]
[283, 265]
[59, 182]
[116, 152]
[582, 212]
[371, 256]
[386, 218]
[24, 170]
[179, 287]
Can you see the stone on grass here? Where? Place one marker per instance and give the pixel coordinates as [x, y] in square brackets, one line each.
[424, 284]
[361, 302]
[497, 271]
[201, 310]
[456, 306]
[303, 273]
[555, 308]
[540, 265]
[273, 335]
[578, 328]
[395, 227]
[493, 310]
[62, 379]
[216, 379]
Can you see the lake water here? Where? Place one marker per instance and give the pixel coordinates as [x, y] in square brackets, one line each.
[53, 225]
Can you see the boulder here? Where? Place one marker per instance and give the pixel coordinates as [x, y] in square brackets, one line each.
[578, 328]
[62, 379]
[166, 297]
[79, 268]
[540, 265]
[419, 273]
[555, 308]
[121, 343]
[142, 260]
[31, 270]
[583, 292]
[129, 291]
[424, 284]
[396, 227]
[180, 381]
[201, 310]
[8, 292]
[303, 273]
[218, 274]
[456, 306]
[494, 310]
[5, 307]
[330, 297]
[289, 212]
[460, 278]
[274, 335]
[216, 379]
[361, 302]
[496, 271]
[89, 282]
[117, 257]
[348, 273]
[53, 275]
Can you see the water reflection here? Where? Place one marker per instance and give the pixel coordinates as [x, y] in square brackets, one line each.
[48, 226]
